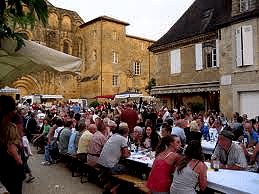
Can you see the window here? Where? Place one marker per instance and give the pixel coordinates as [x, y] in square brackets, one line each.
[114, 35]
[207, 54]
[115, 80]
[65, 47]
[175, 61]
[244, 46]
[94, 34]
[115, 57]
[247, 5]
[136, 68]
[142, 46]
[94, 55]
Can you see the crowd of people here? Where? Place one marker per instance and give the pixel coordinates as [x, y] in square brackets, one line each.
[102, 136]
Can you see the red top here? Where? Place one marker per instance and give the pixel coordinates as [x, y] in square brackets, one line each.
[160, 178]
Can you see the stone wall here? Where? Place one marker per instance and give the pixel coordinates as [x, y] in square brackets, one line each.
[243, 79]
[188, 74]
[103, 37]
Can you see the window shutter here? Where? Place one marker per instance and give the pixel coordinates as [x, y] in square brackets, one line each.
[133, 69]
[248, 49]
[238, 47]
[178, 61]
[175, 61]
[217, 52]
[198, 56]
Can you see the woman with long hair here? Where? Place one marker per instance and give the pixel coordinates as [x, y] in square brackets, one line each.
[151, 138]
[11, 164]
[191, 171]
[211, 122]
[160, 177]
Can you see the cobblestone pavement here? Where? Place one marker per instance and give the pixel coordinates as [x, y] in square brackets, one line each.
[55, 179]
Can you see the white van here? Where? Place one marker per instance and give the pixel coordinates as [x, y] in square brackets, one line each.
[45, 99]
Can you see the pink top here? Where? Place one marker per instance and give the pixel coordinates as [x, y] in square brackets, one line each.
[160, 177]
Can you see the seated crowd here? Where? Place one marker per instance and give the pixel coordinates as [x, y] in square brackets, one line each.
[103, 137]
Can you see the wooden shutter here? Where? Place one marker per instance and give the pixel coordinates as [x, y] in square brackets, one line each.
[175, 61]
[217, 52]
[198, 56]
[239, 58]
[248, 50]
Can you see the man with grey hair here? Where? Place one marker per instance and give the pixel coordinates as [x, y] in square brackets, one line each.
[115, 148]
[179, 131]
[229, 154]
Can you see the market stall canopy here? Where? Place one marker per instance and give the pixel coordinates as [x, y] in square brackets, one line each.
[129, 95]
[32, 57]
[106, 96]
[8, 90]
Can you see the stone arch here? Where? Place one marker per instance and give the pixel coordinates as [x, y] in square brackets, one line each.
[66, 23]
[77, 47]
[53, 20]
[27, 34]
[29, 83]
[77, 24]
[66, 46]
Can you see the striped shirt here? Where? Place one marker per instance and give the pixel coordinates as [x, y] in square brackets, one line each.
[234, 155]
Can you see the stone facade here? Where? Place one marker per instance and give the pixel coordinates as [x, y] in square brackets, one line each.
[60, 34]
[235, 75]
[96, 42]
[110, 59]
[238, 80]
[184, 88]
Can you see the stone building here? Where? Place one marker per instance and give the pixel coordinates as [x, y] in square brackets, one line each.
[59, 34]
[114, 61]
[188, 58]
[239, 44]
[210, 56]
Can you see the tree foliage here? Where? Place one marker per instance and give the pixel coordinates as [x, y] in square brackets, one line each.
[150, 85]
[13, 15]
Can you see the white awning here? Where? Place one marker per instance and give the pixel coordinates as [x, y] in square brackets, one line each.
[44, 55]
[187, 88]
[129, 96]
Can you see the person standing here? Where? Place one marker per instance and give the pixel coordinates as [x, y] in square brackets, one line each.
[129, 116]
[11, 167]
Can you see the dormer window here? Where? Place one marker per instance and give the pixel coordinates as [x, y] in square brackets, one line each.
[247, 5]
[206, 18]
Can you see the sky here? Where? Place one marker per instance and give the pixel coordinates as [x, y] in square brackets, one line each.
[149, 19]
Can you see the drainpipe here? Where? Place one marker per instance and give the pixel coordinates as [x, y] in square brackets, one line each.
[101, 57]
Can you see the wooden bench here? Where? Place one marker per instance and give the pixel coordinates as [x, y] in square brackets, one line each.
[89, 171]
[137, 183]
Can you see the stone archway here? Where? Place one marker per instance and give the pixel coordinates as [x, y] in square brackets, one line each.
[28, 85]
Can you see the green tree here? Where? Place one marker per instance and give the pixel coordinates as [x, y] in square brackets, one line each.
[150, 85]
[12, 15]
